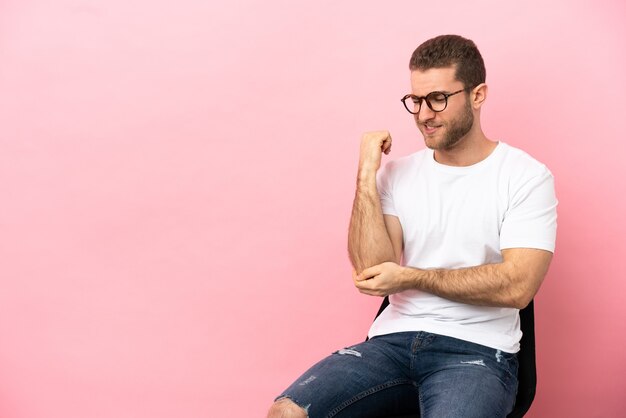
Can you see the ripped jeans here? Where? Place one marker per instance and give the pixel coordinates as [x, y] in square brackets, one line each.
[409, 373]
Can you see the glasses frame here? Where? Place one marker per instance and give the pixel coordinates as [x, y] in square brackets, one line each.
[425, 98]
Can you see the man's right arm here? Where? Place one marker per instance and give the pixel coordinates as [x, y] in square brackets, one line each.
[373, 238]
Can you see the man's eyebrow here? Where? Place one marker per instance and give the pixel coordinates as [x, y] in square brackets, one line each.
[434, 91]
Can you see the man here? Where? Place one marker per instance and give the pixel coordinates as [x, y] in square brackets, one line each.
[460, 236]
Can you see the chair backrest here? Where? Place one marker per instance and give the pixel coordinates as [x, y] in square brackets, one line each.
[527, 371]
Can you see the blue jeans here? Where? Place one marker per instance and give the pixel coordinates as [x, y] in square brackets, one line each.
[409, 372]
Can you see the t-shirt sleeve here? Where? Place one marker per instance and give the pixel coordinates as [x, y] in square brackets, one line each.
[530, 221]
[385, 190]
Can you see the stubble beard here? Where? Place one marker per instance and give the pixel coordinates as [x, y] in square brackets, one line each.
[456, 130]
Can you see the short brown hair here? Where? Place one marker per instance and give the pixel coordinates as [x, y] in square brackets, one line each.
[449, 50]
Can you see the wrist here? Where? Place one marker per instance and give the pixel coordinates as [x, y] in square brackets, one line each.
[367, 172]
[410, 276]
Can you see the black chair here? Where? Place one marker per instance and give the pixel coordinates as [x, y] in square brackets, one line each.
[527, 372]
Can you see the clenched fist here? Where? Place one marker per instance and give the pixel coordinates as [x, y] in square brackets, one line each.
[373, 144]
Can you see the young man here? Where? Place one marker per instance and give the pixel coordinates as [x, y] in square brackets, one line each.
[460, 236]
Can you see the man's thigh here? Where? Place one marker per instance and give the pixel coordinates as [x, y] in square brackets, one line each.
[370, 379]
[459, 379]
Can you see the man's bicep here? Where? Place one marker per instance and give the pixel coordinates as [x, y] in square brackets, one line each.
[394, 230]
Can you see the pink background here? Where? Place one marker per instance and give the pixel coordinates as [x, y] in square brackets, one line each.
[176, 181]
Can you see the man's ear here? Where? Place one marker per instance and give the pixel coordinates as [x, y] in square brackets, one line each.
[478, 95]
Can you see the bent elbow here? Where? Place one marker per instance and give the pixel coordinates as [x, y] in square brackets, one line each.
[521, 303]
[522, 300]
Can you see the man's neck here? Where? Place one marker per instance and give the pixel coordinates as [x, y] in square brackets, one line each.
[469, 151]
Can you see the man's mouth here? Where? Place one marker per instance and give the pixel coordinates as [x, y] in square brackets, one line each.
[430, 128]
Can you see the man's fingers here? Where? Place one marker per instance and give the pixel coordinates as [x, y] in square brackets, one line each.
[372, 292]
[360, 282]
[364, 287]
[386, 146]
[367, 286]
[368, 273]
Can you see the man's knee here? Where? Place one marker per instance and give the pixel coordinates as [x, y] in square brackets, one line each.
[286, 408]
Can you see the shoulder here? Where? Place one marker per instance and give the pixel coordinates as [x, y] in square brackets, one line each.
[400, 170]
[519, 164]
[407, 163]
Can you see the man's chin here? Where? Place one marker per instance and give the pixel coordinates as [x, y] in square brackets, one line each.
[432, 143]
[442, 146]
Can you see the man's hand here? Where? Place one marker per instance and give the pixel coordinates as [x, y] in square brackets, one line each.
[381, 280]
[373, 144]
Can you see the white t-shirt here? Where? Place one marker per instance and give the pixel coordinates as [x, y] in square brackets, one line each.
[455, 217]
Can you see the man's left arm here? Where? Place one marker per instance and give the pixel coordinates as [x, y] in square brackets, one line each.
[511, 283]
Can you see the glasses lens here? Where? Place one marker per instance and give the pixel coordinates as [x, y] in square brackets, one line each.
[437, 101]
[412, 105]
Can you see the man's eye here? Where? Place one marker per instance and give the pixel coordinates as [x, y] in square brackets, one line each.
[437, 98]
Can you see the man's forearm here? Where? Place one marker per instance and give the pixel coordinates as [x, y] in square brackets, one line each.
[368, 241]
[486, 285]
[510, 283]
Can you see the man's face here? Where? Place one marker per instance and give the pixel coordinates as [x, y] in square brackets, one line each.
[442, 130]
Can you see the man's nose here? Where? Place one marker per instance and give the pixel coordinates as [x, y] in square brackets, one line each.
[425, 113]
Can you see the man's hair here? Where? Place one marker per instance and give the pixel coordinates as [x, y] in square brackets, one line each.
[448, 50]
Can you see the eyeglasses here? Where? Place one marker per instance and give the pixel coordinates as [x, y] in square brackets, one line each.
[437, 101]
